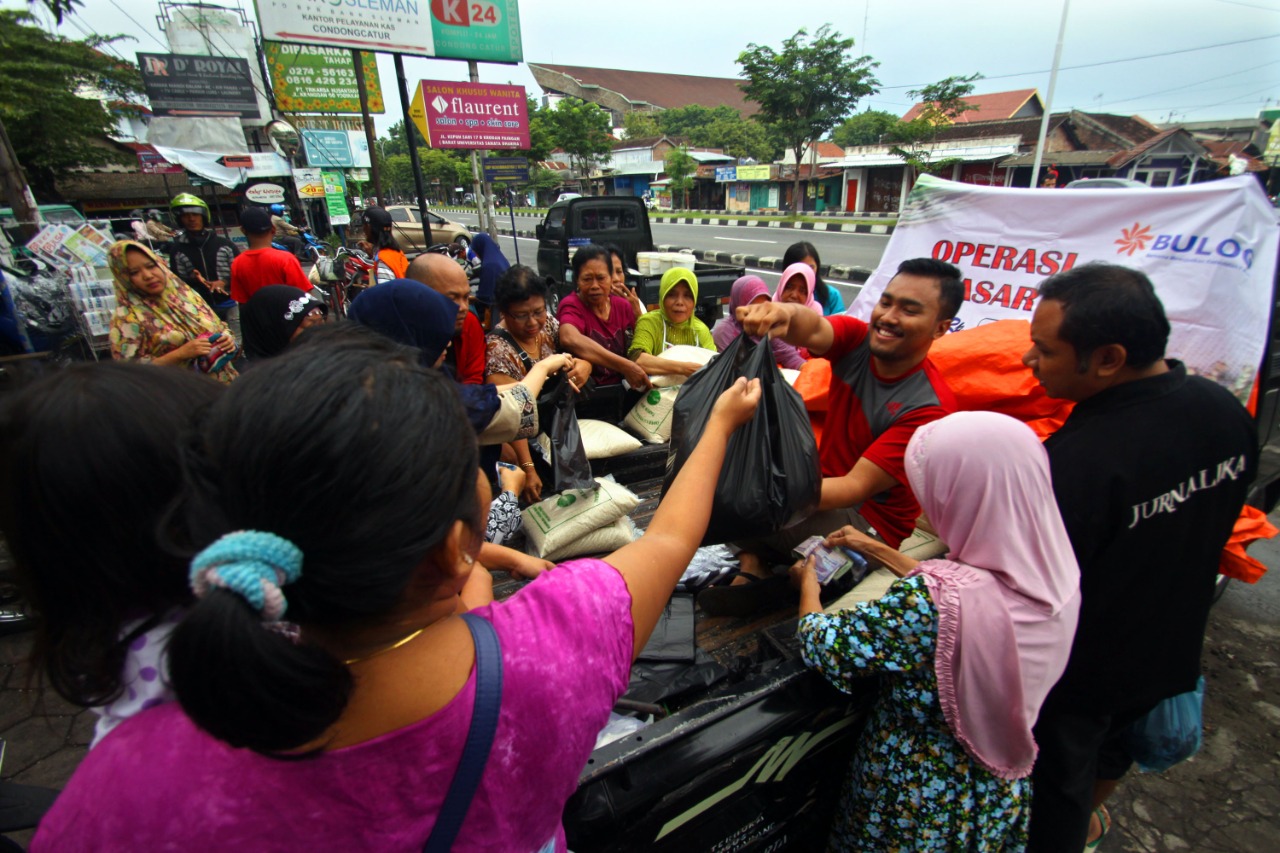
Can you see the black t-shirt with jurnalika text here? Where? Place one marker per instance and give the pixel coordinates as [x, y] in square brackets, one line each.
[1150, 477]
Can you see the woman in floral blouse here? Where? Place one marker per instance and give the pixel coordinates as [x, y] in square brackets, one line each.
[160, 319]
[969, 646]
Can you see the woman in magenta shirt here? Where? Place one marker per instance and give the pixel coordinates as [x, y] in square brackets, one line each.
[325, 678]
[596, 323]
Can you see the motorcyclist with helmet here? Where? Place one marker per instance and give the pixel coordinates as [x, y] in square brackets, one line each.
[287, 234]
[381, 243]
[203, 259]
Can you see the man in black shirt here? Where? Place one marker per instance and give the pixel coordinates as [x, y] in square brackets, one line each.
[1150, 472]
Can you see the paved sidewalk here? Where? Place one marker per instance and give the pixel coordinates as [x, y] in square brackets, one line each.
[1225, 800]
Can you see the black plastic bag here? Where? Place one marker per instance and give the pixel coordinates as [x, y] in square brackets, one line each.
[770, 477]
[570, 468]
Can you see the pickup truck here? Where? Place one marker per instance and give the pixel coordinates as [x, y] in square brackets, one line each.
[622, 221]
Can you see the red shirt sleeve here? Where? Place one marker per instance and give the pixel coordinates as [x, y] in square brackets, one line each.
[849, 332]
[570, 312]
[237, 291]
[472, 353]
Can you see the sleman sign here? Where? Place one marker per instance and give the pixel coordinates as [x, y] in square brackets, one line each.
[475, 115]
[1210, 250]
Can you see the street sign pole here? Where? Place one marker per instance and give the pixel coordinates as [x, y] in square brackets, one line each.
[413, 147]
[485, 189]
[368, 128]
[515, 241]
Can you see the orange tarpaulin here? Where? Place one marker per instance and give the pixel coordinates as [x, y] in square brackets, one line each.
[983, 367]
[1251, 526]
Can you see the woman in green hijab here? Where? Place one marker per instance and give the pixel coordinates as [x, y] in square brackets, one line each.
[670, 325]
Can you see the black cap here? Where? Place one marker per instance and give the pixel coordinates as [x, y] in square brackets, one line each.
[256, 220]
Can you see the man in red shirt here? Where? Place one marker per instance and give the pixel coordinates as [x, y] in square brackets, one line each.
[883, 387]
[442, 274]
[262, 265]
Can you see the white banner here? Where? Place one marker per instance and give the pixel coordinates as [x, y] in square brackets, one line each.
[1210, 250]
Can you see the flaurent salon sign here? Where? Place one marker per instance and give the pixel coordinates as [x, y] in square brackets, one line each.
[483, 30]
[1210, 250]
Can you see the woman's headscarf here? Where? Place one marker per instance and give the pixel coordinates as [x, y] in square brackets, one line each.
[1008, 593]
[176, 309]
[804, 271]
[410, 312]
[670, 279]
[492, 265]
[271, 316]
[745, 289]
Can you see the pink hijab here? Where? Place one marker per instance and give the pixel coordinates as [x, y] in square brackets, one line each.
[1008, 594]
[806, 272]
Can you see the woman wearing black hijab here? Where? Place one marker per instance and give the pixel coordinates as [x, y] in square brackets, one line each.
[274, 316]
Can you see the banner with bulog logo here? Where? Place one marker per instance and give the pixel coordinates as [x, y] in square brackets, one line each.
[1210, 250]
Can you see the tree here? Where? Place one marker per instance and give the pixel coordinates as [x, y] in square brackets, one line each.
[866, 128]
[943, 102]
[806, 89]
[51, 127]
[680, 168]
[738, 137]
[583, 131]
[641, 125]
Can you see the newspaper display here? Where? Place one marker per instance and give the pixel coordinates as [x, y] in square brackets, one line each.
[79, 258]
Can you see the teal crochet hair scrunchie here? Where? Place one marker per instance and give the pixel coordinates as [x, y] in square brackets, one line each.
[253, 564]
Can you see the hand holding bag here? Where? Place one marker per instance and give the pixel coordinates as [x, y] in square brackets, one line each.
[770, 477]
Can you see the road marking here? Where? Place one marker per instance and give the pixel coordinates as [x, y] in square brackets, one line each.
[741, 240]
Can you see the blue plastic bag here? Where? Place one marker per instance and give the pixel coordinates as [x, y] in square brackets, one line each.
[1169, 734]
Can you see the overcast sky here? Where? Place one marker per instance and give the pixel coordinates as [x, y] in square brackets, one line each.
[1207, 59]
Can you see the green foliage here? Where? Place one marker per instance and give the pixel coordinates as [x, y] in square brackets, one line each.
[52, 128]
[540, 142]
[641, 125]
[943, 102]
[807, 88]
[680, 168]
[582, 130]
[866, 128]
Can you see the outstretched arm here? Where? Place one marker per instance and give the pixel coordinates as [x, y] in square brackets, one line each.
[795, 324]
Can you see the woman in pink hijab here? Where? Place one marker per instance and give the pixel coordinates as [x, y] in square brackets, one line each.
[748, 290]
[969, 645]
[796, 286]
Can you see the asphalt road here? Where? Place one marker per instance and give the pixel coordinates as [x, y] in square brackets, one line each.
[863, 250]
[529, 248]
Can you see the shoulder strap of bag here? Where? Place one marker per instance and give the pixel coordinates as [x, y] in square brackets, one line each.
[523, 356]
[475, 753]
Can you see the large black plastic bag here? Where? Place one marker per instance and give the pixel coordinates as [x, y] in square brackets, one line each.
[570, 468]
[770, 477]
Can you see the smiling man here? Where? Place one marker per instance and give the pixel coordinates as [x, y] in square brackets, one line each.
[883, 387]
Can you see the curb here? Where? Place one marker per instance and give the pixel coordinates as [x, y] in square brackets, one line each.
[666, 219]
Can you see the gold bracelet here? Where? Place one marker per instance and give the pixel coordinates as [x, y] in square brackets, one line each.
[526, 464]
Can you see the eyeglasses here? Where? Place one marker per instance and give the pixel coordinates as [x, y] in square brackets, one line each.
[526, 316]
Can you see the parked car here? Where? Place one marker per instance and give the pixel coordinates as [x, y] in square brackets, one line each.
[1106, 184]
[406, 224]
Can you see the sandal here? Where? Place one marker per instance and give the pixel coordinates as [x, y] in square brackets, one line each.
[1104, 820]
[726, 599]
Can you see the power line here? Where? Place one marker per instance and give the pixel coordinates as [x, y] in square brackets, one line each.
[1197, 83]
[1105, 62]
[154, 37]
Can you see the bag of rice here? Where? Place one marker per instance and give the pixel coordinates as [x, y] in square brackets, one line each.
[603, 440]
[681, 352]
[556, 522]
[650, 418]
[606, 540]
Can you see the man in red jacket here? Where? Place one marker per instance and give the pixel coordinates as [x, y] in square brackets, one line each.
[262, 265]
[443, 275]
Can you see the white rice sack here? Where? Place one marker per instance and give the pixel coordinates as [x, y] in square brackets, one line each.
[606, 540]
[681, 352]
[790, 375]
[652, 416]
[551, 525]
[602, 440]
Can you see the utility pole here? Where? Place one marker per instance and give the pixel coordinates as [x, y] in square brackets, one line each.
[1048, 104]
[483, 188]
[16, 191]
[412, 142]
[368, 128]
